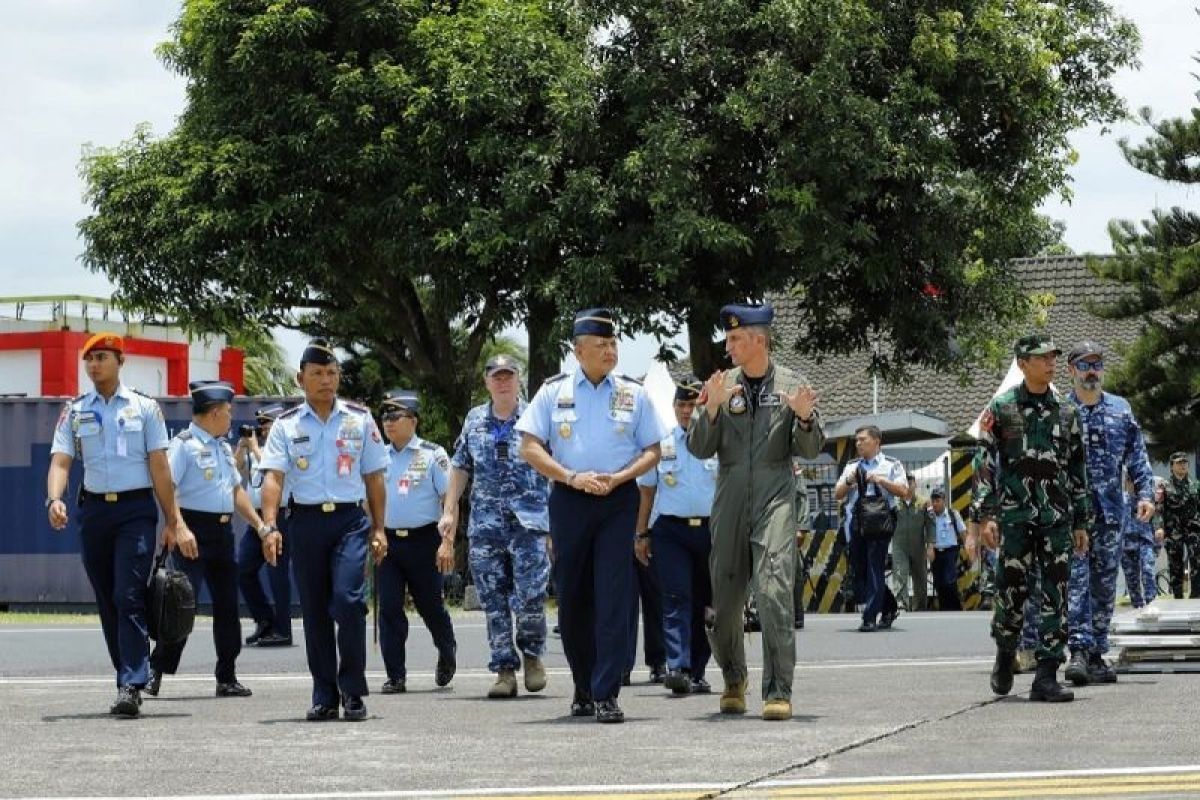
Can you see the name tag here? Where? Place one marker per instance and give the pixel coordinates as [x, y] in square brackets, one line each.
[766, 400]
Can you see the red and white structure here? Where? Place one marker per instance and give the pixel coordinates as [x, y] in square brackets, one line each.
[41, 357]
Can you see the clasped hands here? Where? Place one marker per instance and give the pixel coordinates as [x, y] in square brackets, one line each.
[598, 483]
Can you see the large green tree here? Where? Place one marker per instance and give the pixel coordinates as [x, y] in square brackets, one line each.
[391, 174]
[881, 160]
[1160, 261]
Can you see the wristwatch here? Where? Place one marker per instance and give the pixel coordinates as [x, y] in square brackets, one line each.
[52, 500]
[642, 535]
[266, 530]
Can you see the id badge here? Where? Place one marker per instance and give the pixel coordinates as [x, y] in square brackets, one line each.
[344, 463]
[122, 445]
[403, 485]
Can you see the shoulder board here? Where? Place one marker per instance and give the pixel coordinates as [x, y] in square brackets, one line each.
[291, 412]
[428, 445]
[80, 397]
[183, 436]
[556, 378]
[356, 407]
[143, 394]
[629, 379]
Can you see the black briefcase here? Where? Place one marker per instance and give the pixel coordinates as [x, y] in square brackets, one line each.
[170, 603]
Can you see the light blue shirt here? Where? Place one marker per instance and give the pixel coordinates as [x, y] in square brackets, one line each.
[253, 484]
[323, 462]
[685, 484]
[203, 470]
[417, 478]
[880, 465]
[114, 438]
[947, 533]
[592, 428]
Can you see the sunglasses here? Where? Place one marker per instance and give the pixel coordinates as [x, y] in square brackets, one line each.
[1094, 365]
[392, 416]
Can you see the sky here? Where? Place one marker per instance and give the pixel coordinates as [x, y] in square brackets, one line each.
[79, 72]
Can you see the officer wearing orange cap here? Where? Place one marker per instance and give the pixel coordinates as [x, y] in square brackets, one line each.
[122, 440]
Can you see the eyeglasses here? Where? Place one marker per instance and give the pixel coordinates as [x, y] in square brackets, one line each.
[392, 416]
[1095, 365]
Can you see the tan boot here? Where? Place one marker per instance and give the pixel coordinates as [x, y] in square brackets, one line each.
[505, 685]
[535, 674]
[733, 699]
[777, 709]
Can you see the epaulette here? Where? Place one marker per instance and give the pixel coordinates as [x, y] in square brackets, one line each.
[428, 445]
[356, 407]
[143, 394]
[80, 397]
[183, 436]
[631, 380]
[291, 412]
[555, 378]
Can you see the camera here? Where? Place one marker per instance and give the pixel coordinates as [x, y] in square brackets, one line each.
[246, 431]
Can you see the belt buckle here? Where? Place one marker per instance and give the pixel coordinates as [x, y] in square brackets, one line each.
[402, 533]
[225, 518]
[694, 522]
[111, 497]
[328, 507]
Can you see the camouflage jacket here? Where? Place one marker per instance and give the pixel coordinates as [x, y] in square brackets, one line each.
[1180, 504]
[1031, 466]
[1112, 439]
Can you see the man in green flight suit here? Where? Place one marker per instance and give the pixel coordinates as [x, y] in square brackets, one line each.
[754, 418]
[1031, 475]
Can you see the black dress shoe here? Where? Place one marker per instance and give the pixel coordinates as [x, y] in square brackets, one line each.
[321, 713]
[627, 679]
[867, 627]
[396, 686]
[261, 629]
[273, 639]
[154, 684]
[609, 711]
[232, 689]
[701, 686]
[354, 709]
[1099, 671]
[582, 706]
[886, 619]
[446, 667]
[128, 702]
[679, 681]
[658, 673]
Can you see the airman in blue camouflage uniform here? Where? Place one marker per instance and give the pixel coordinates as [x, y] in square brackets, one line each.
[1139, 552]
[1113, 442]
[1031, 494]
[507, 532]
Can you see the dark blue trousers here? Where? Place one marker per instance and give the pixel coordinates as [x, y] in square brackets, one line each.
[869, 558]
[215, 567]
[411, 564]
[649, 593]
[680, 557]
[593, 578]
[329, 556]
[117, 544]
[945, 578]
[250, 566]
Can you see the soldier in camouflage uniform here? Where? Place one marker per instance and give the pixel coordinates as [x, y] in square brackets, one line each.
[1112, 442]
[1032, 494]
[1181, 525]
[1139, 552]
[508, 525]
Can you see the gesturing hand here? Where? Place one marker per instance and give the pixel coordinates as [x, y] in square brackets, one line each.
[716, 393]
[802, 402]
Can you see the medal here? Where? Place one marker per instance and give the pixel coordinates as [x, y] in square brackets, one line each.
[302, 462]
[208, 474]
[669, 479]
[564, 430]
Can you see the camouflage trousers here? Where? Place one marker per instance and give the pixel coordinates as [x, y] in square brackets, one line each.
[511, 577]
[1025, 548]
[1138, 561]
[1183, 546]
[1093, 589]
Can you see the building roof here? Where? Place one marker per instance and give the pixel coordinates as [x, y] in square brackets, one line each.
[845, 386]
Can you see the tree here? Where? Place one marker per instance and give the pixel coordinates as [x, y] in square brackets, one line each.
[266, 370]
[882, 161]
[1160, 261]
[390, 174]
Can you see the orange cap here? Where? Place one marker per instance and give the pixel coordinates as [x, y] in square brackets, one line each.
[104, 341]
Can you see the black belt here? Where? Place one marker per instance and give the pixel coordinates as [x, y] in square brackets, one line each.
[691, 522]
[208, 516]
[404, 533]
[327, 508]
[116, 497]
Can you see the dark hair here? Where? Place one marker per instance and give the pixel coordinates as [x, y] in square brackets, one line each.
[871, 430]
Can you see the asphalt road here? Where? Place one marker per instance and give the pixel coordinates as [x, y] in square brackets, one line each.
[902, 713]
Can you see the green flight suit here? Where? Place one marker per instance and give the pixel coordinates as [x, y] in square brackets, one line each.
[915, 531]
[753, 521]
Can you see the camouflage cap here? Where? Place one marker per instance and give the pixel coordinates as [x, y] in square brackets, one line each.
[1037, 344]
[1178, 455]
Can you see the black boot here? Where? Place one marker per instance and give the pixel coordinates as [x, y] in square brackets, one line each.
[1046, 686]
[1077, 670]
[1002, 671]
[1099, 670]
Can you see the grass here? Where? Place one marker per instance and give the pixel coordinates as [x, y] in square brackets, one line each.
[64, 618]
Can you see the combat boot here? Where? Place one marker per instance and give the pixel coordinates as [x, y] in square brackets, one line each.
[733, 699]
[1002, 671]
[1077, 670]
[535, 674]
[1099, 670]
[1046, 686]
[505, 685]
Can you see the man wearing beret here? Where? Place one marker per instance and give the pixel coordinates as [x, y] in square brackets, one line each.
[122, 440]
[332, 456]
[1113, 444]
[1031, 498]
[1181, 525]
[593, 432]
[755, 418]
[207, 490]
